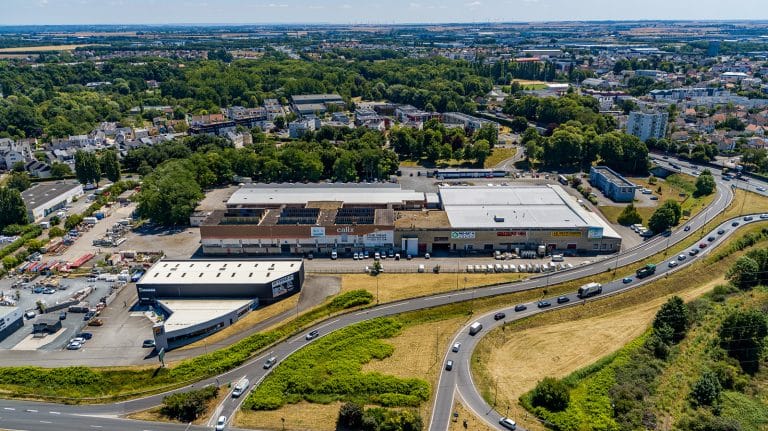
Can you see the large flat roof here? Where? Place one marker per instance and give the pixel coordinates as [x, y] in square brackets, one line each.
[613, 176]
[190, 312]
[43, 193]
[517, 207]
[298, 194]
[206, 271]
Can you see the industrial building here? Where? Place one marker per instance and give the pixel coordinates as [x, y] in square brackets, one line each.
[310, 104]
[321, 218]
[200, 297]
[43, 199]
[613, 185]
[11, 319]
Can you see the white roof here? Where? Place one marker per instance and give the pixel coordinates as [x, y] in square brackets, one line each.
[544, 207]
[206, 271]
[302, 193]
[190, 312]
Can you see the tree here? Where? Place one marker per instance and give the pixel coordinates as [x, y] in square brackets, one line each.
[344, 168]
[552, 394]
[488, 132]
[629, 216]
[673, 315]
[18, 167]
[744, 273]
[519, 124]
[661, 219]
[705, 184]
[481, 150]
[706, 390]
[742, 336]
[87, 168]
[350, 416]
[19, 181]
[110, 165]
[188, 406]
[170, 193]
[12, 208]
[60, 170]
[55, 232]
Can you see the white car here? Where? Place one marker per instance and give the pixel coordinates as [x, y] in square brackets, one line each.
[764, 216]
[74, 345]
[672, 263]
[760, 189]
[221, 423]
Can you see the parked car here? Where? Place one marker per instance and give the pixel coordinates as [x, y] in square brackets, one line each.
[355, 256]
[38, 289]
[74, 345]
[89, 315]
[62, 315]
[426, 256]
[520, 307]
[49, 291]
[312, 335]
[96, 322]
[84, 335]
[499, 316]
[30, 314]
[148, 344]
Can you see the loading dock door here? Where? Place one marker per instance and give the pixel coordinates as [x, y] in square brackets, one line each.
[410, 246]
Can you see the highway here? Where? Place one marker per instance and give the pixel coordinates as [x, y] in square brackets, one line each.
[27, 415]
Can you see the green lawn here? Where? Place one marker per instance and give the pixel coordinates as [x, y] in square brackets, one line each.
[499, 155]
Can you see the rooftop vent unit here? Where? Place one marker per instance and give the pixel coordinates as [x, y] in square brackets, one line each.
[498, 219]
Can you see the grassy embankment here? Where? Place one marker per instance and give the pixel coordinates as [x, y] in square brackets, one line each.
[602, 327]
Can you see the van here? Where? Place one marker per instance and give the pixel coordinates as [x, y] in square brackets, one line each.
[557, 258]
[475, 328]
[240, 388]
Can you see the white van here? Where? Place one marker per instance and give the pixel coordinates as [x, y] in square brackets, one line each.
[240, 388]
[475, 328]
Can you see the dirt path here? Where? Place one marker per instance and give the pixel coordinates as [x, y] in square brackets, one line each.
[559, 349]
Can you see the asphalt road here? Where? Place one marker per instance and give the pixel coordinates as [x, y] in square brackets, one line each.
[84, 416]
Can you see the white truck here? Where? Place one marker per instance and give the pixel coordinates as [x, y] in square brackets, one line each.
[590, 289]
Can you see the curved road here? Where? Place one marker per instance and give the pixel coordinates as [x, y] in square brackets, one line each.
[28, 415]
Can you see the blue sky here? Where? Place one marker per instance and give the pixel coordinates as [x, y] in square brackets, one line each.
[13, 12]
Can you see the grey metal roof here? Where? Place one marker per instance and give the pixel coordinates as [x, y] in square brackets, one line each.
[42, 193]
[273, 194]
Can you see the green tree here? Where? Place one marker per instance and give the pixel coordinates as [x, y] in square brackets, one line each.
[60, 170]
[552, 394]
[87, 168]
[488, 132]
[661, 219]
[72, 221]
[705, 184]
[18, 167]
[629, 216]
[706, 390]
[481, 151]
[673, 315]
[744, 273]
[169, 194]
[12, 208]
[19, 181]
[350, 416]
[56, 232]
[188, 406]
[742, 336]
[110, 165]
[344, 168]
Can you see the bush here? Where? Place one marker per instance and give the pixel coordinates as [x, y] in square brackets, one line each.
[706, 422]
[351, 299]
[706, 390]
[742, 336]
[188, 406]
[72, 221]
[350, 416]
[629, 216]
[673, 314]
[552, 394]
[55, 232]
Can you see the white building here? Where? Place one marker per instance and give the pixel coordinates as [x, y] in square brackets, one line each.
[646, 125]
[45, 198]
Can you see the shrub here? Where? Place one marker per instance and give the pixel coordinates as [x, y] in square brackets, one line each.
[706, 390]
[629, 216]
[552, 394]
[707, 422]
[188, 406]
[72, 221]
[351, 299]
[56, 232]
[674, 315]
[742, 336]
[350, 415]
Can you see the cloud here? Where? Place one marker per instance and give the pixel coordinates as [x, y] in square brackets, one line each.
[474, 4]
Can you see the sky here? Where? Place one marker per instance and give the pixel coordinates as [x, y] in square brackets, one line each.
[39, 12]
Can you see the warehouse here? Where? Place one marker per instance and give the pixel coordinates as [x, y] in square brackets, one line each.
[201, 297]
[327, 218]
[11, 319]
[506, 218]
[43, 199]
[307, 218]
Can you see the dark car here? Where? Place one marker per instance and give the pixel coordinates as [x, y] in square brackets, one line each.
[703, 245]
[89, 315]
[734, 224]
[711, 238]
[562, 299]
[720, 231]
[62, 315]
[520, 307]
[499, 316]
[148, 343]
[312, 335]
[449, 365]
[38, 289]
[687, 228]
[84, 335]
[543, 304]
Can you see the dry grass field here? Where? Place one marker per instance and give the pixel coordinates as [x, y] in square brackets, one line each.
[45, 48]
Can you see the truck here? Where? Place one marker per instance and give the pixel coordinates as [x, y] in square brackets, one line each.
[475, 328]
[647, 270]
[590, 289]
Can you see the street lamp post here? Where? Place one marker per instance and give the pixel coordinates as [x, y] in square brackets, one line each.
[377, 289]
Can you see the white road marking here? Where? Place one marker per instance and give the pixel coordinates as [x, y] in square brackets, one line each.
[32, 410]
[55, 413]
[96, 426]
[45, 422]
[9, 408]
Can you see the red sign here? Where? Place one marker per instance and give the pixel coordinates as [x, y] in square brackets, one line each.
[511, 233]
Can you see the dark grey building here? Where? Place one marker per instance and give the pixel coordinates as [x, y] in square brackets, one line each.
[11, 319]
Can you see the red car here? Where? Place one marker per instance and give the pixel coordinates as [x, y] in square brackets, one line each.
[703, 245]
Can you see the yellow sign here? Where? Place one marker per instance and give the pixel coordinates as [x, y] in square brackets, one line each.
[566, 233]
